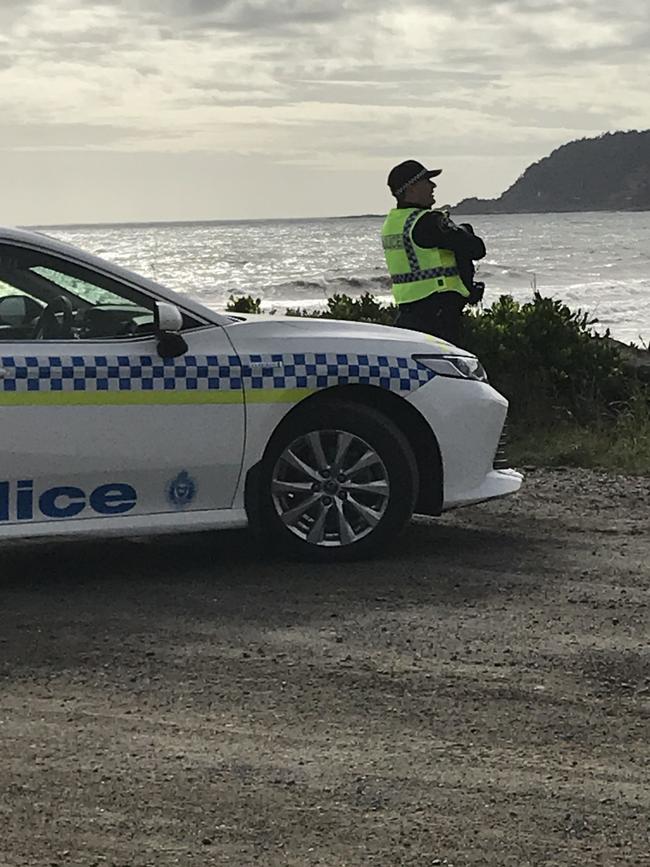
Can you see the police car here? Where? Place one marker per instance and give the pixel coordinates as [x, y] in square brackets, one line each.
[127, 408]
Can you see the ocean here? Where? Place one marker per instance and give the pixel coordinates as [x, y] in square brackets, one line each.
[598, 262]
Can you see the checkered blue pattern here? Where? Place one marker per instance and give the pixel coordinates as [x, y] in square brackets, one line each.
[323, 370]
[209, 372]
[120, 373]
[408, 242]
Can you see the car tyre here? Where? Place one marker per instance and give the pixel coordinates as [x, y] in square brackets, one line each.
[338, 481]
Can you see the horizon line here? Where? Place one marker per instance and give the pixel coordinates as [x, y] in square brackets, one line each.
[226, 220]
[193, 222]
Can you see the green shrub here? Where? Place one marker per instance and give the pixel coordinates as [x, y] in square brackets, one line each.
[363, 309]
[244, 304]
[547, 360]
[366, 308]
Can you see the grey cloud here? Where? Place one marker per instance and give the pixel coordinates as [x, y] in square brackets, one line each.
[539, 49]
[93, 36]
[525, 115]
[486, 9]
[56, 136]
[265, 17]
[191, 18]
[418, 94]
[387, 74]
[249, 98]
[93, 47]
[364, 140]
[284, 14]
[541, 6]
[364, 86]
[268, 21]
[595, 8]
[7, 60]
[530, 45]
[322, 67]
[13, 10]
[441, 150]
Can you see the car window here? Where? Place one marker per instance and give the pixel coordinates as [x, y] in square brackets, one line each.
[89, 292]
[7, 289]
[43, 297]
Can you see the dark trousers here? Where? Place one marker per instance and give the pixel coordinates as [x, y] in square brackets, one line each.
[439, 314]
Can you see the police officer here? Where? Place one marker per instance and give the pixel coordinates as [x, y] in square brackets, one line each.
[430, 258]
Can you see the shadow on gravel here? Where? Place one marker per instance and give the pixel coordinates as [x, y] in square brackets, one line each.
[235, 559]
[440, 556]
[59, 602]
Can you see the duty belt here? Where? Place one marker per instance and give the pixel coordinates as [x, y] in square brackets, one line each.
[428, 274]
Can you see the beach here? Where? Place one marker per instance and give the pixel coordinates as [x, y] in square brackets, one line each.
[478, 696]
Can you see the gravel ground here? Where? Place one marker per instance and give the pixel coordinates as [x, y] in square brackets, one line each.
[481, 695]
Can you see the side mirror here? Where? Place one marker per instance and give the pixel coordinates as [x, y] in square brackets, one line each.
[167, 317]
[16, 310]
[168, 320]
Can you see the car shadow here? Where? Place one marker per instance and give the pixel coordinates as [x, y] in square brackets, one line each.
[66, 602]
[234, 560]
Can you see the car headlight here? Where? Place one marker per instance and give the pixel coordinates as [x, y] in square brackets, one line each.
[457, 366]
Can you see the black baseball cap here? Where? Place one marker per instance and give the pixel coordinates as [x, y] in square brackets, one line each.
[402, 176]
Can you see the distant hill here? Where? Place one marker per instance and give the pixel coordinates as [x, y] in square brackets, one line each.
[607, 173]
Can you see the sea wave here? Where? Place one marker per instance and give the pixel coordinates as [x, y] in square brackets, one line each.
[306, 292]
[598, 264]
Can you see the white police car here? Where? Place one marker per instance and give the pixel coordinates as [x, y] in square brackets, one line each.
[127, 408]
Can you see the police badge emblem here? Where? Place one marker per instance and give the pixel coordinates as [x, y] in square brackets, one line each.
[181, 490]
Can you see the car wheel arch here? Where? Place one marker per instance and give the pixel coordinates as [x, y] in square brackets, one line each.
[403, 414]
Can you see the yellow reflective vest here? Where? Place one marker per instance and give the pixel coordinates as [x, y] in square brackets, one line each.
[417, 272]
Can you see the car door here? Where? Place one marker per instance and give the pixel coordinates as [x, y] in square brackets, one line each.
[93, 422]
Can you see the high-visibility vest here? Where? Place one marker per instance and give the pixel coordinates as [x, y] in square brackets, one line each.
[417, 272]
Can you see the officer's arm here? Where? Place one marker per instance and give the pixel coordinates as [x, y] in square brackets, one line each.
[434, 229]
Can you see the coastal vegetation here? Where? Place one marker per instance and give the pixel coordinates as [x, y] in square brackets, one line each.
[577, 398]
[607, 173]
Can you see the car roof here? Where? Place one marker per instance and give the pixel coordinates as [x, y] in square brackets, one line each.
[42, 241]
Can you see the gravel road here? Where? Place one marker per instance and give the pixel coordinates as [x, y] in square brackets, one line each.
[481, 695]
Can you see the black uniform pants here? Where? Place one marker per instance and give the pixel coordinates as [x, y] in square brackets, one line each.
[439, 314]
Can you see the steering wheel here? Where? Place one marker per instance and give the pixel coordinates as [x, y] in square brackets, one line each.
[55, 321]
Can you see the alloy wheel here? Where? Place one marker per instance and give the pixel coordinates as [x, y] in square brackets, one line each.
[330, 488]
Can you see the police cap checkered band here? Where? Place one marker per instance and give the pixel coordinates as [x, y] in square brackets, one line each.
[407, 173]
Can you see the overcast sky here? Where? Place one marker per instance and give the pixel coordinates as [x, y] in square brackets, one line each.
[218, 109]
